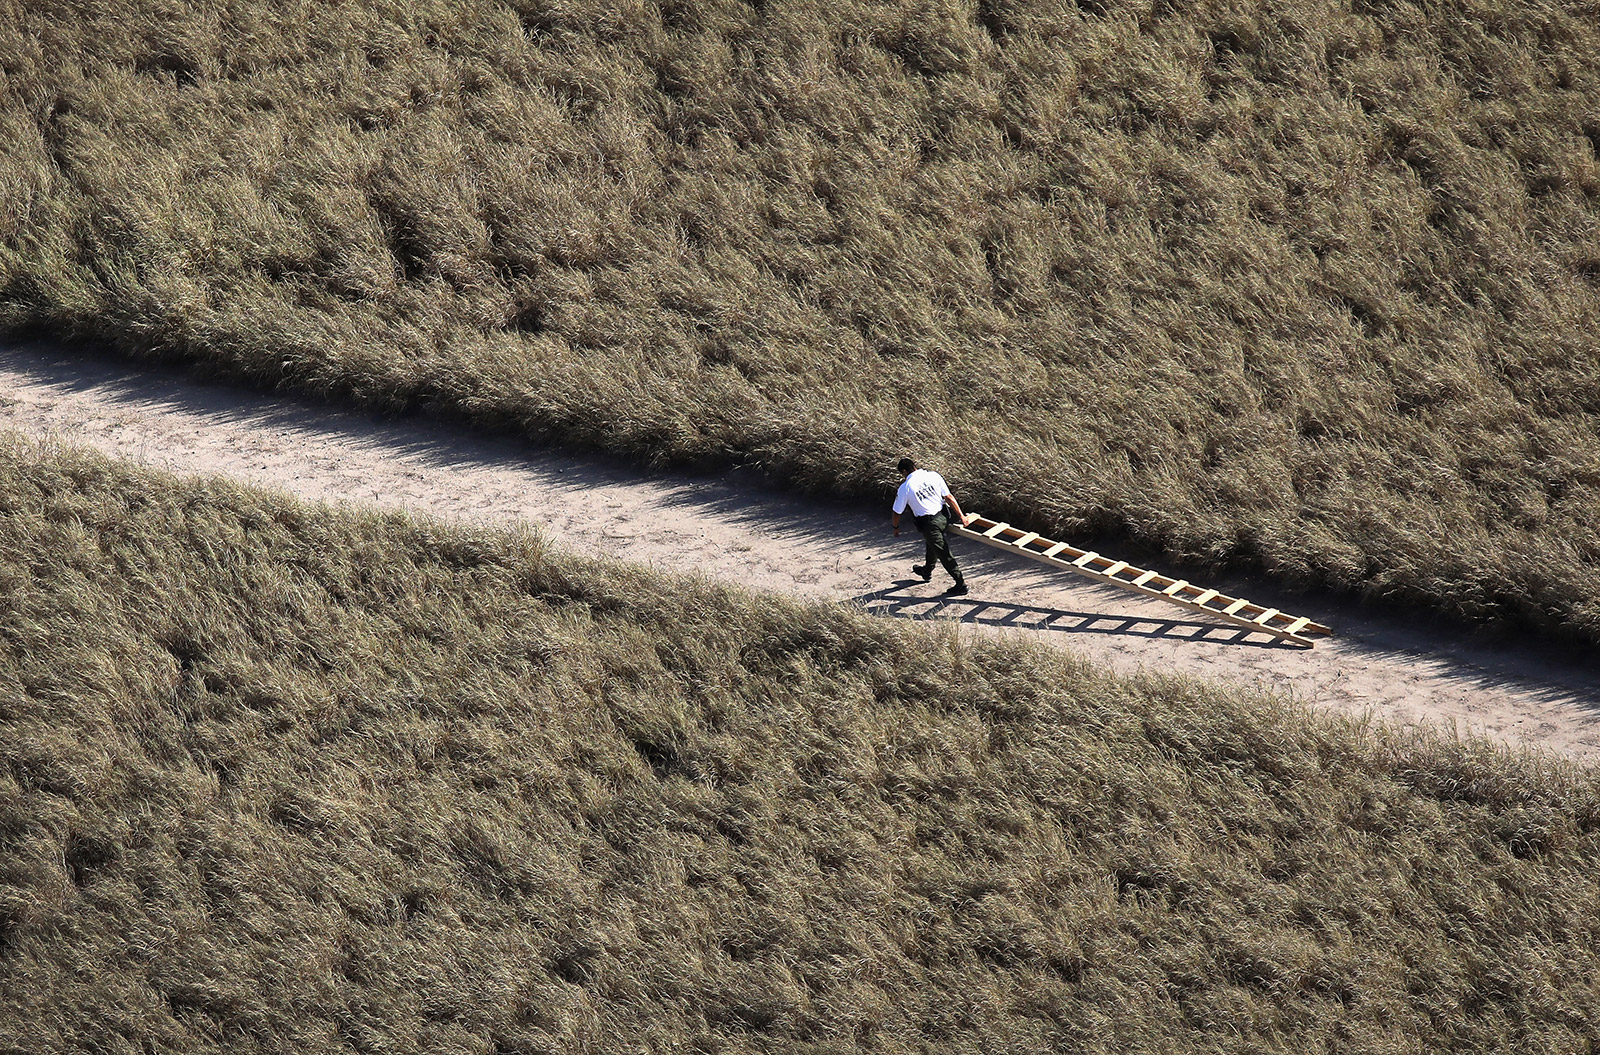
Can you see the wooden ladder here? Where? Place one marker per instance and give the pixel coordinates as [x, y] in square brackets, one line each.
[1180, 592]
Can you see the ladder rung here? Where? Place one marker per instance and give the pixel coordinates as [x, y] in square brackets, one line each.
[1176, 588]
[1116, 566]
[1146, 577]
[995, 531]
[1057, 548]
[1087, 559]
[1205, 597]
[1233, 608]
[1265, 617]
[1297, 626]
[1022, 542]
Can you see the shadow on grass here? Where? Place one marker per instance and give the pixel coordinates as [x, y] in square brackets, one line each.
[896, 602]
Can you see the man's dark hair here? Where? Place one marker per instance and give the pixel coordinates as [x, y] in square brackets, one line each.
[906, 465]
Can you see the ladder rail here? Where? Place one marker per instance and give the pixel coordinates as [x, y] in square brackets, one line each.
[1235, 611]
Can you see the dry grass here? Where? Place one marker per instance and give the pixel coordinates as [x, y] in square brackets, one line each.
[278, 779]
[1310, 290]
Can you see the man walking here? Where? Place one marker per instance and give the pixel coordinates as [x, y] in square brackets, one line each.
[924, 491]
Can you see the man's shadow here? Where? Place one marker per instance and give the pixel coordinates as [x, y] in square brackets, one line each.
[896, 602]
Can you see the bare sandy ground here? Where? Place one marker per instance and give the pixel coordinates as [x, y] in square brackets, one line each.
[734, 527]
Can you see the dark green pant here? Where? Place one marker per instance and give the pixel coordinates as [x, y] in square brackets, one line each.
[933, 530]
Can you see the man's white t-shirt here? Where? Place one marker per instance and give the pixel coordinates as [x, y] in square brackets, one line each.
[923, 491]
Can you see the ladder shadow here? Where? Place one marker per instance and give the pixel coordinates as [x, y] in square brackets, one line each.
[895, 602]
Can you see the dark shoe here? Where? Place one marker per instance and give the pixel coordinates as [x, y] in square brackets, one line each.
[958, 590]
[922, 571]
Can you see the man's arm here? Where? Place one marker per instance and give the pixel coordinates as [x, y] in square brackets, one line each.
[950, 500]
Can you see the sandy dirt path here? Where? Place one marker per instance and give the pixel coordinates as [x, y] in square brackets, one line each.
[735, 527]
